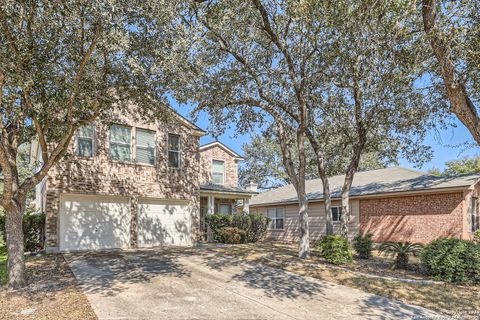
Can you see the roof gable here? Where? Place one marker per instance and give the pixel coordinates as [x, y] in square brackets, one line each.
[223, 147]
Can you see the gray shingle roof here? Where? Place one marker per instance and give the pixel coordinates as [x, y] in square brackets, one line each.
[394, 179]
[220, 188]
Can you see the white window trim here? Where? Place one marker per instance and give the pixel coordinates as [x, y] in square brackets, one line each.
[132, 142]
[224, 175]
[284, 211]
[154, 148]
[94, 145]
[179, 151]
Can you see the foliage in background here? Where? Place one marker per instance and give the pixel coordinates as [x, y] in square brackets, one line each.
[363, 245]
[3, 263]
[401, 251]
[452, 260]
[335, 249]
[263, 163]
[33, 229]
[254, 225]
[467, 165]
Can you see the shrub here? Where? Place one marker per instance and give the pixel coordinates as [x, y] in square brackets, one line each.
[33, 229]
[452, 260]
[476, 236]
[232, 235]
[253, 225]
[363, 245]
[401, 251]
[335, 249]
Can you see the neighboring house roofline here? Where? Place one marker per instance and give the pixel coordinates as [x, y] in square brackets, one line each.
[372, 183]
[224, 147]
[375, 195]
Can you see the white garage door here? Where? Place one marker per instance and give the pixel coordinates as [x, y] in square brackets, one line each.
[163, 222]
[94, 222]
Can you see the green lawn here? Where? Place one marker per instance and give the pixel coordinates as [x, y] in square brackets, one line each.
[3, 262]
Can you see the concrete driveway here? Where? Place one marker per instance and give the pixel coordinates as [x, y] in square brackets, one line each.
[195, 283]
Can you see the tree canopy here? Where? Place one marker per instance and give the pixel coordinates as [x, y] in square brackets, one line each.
[62, 65]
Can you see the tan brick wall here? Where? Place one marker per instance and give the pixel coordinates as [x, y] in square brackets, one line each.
[416, 218]
[217, 153]
[101, 176]
[316, 214]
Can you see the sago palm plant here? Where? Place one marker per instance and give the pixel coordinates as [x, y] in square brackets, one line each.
[401, 251]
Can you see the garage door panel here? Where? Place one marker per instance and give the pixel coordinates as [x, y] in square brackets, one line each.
[90, 222]
[163, 224]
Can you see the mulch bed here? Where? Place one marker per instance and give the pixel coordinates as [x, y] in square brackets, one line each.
[52, 293]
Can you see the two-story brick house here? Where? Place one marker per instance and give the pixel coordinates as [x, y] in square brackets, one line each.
[137, 183]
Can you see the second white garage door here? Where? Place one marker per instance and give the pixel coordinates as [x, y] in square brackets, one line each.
[163, 222]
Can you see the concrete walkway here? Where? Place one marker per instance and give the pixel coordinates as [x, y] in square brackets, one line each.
[195, 283]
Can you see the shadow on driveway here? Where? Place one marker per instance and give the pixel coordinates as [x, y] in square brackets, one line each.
[110, 272]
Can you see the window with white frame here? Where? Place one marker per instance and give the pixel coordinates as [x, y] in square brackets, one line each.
[174, 150]
[224, 208]
[218, 172]
[336, 214]
[85, 143]
[120, 143]
[277, 218]
[145, 146]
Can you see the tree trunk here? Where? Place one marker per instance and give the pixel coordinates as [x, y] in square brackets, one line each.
[327, 196]
[345, 217]
[304, 243]
[460, 103]
[15, 249]
[327, 200]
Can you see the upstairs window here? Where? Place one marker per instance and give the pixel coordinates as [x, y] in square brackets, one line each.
[336, 214]
[277, 218]
[145, 146]
[174, 150]
[85, 141]
[120, 143]
[218, 172]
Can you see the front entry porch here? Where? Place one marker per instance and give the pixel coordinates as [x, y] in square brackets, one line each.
[217, 199]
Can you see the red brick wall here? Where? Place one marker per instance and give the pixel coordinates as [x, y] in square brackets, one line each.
[416, 218]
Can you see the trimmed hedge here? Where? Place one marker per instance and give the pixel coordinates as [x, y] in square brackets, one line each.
[253, 225]
[335, 249]
[363, 245]
[33, 229]
[452, 260]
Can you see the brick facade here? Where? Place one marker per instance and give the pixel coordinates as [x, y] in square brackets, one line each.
[217, 153]
[101, 176]
[415, 218]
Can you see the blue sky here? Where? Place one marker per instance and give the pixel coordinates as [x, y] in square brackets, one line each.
[446, 144]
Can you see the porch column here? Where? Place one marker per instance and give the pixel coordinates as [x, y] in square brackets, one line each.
[246, 206]
[211, 205]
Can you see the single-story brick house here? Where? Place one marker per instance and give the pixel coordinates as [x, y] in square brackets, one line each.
[395, 204]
